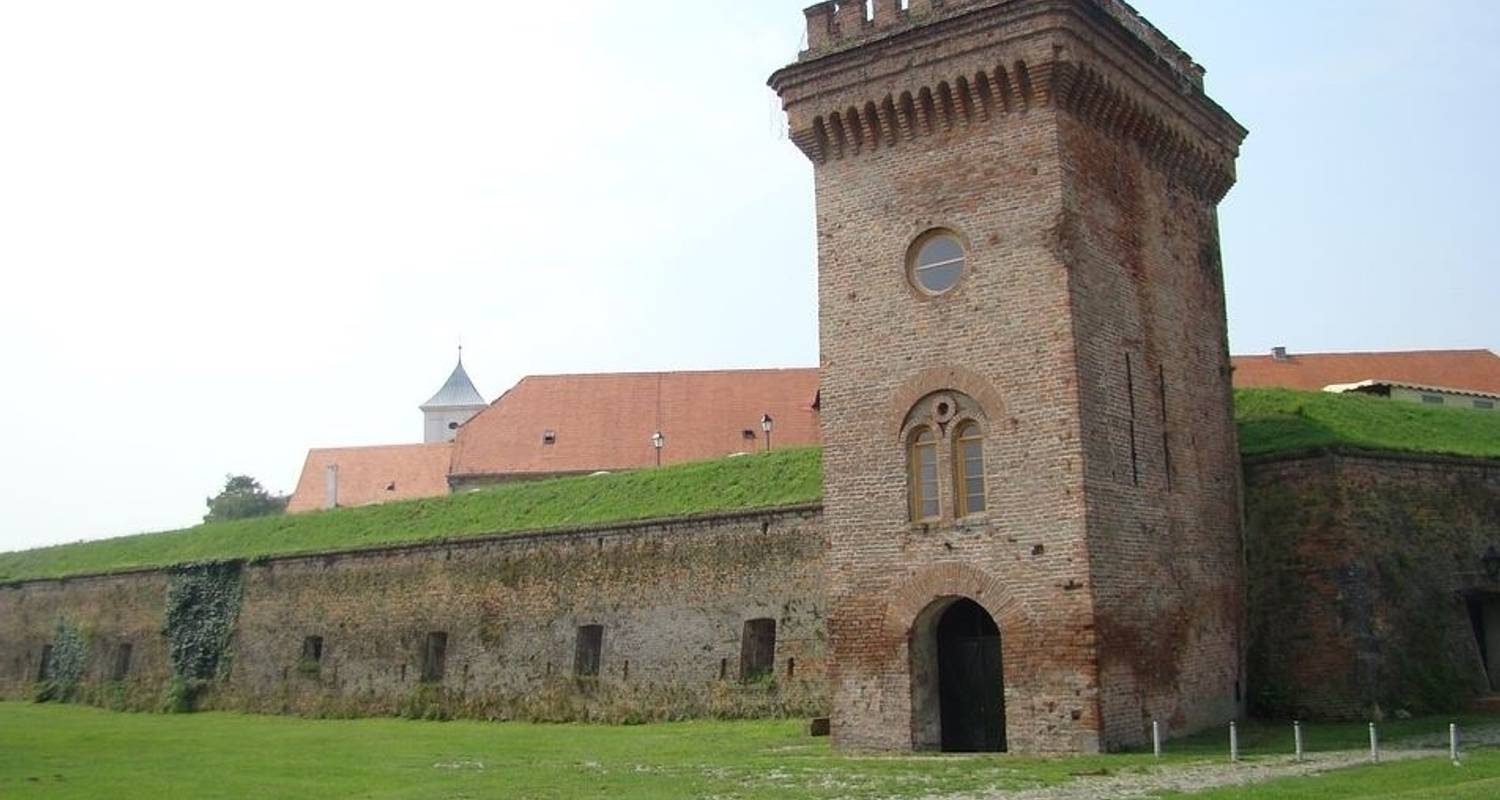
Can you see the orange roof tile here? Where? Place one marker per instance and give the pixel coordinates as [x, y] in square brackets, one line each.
[369, 475]
[605, 422]
[1474, 370]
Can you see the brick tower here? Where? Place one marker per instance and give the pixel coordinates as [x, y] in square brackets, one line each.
[1031, 477]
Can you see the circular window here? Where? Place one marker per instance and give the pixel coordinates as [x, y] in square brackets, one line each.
[937, 262]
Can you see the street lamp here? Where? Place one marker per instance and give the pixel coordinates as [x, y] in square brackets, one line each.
[765, 424]
[657, 440]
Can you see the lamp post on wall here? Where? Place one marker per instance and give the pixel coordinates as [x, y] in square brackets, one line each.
[766, 424]
[1491, 562]
[657, 441]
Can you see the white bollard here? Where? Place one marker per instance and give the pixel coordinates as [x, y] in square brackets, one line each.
[1453, 741]
[1297, 738]
[1156, 738]
[1234, 743]
[1374, 744]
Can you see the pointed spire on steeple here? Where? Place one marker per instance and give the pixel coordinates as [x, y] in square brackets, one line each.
[457, 392]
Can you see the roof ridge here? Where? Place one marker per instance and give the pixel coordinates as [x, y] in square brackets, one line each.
[1295, 354]
[655, 373]
[407, 445]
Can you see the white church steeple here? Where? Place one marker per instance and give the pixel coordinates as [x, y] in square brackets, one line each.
[453, 405]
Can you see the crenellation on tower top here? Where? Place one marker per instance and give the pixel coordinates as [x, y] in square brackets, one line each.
[837, 25]
[966, 63]
[834, 25]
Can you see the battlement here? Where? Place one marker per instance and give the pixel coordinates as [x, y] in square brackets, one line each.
[837, 25]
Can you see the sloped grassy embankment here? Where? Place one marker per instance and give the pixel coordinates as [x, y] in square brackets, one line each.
[1279, 421]
[1270, 421]
[783, 478]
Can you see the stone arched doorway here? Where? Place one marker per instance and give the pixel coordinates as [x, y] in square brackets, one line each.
[957, 679]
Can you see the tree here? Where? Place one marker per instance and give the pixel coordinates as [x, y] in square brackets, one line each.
[243, 498]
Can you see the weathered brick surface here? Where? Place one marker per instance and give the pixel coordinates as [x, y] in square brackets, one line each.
[672, 599]
[1081, 165]
[1359, 570]
[1163, 508]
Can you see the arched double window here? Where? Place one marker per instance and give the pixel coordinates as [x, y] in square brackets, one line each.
[945, 437]
[922, 460]
[968, 468]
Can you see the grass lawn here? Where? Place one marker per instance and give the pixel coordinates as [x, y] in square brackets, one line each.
[782, 478]
[70, 751]
[1280, 420]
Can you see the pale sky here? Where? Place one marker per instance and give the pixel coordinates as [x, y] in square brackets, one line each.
[230, 231]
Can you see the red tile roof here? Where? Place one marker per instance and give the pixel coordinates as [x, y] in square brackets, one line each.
[605, 422]
[369, 475]
[1474, 370]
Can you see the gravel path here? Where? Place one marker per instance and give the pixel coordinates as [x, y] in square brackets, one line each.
[1203, 777]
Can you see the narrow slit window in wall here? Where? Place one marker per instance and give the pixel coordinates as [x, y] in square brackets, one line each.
[588, 650]
[45, 670]
[121, 667]
[1166, 436]
[757, 649]
[435, 657]
[312, 651]
[1135, 463]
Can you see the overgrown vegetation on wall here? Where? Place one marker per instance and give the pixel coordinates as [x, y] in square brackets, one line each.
[64, 668]
[564, 700]
[781, 478]
[203, 604]
[1281, 420]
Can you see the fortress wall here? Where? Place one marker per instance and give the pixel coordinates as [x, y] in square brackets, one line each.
[672, 598]
[1362, 572]
[106, 612]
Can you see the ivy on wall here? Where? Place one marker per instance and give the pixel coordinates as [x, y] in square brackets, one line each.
[64, 667]
[203, 606]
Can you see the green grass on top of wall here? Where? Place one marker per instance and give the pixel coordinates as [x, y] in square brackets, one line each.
[1280, 420]
[1270, 421]
[782, 478]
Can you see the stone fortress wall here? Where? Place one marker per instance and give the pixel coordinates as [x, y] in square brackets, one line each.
[501, 616]
[1365, 579]
[1369, 591]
